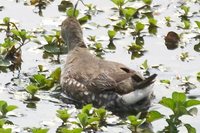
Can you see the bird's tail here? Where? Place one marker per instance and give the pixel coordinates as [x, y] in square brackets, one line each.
[142, 90]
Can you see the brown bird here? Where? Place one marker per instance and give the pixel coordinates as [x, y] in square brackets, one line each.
[89, 79]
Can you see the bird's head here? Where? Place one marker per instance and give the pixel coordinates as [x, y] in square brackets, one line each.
[71, 33]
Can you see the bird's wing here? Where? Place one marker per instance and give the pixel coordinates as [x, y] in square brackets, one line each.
[109, 81]
[102, 82]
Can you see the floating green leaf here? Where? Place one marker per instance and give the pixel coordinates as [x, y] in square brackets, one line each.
[129, 12]
[198, 24]
[168, 102]
[2, 122]
[165, 81]
[84, 19]
[39, 130]
[148, 2]
[5, 108]
[135, 121]
[83, 118]
[101, 113]
[197, 47]
[56, 74]
[186, 24]
[32, 89]
[193, 111]
[76, 130]
[186, 9]
[190, 129]
[63, 115]
[8, 130]
[72, 13]
[4, 63]
[139, 27]
[144, 65]
[49, 39]
[6, 20]
[55, 49]
[86, 109]
[154, 115]
[152, 21]
[192, 102]
[119, 3]
[64, 5]
[179, 97]
[111, 34]
[198, 76]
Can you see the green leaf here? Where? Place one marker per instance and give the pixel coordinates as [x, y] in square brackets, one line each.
[15, 32]
[168, 102]
[193, 111]
[197, 47]
[144, 65]
[8, 43]
[84, 19]
[8, 130]
[3, 105]
[129, 12]
[41, 68]
[86, 109]
[76, 130]
[198, 24]
[165, 81]
[139, 41]
[56, 74]
[6, 20]
[179, 97]
[190, 129]
[135, 121]
[55, 49]
[180, 110]
[4, 63]
[11, 108]
[185, 9]
[70, 12]
[118, 2]
[32, 89]
[154, 115]
[198, 76]
[191, 103]
[139, 26]
[92, 120]
[64, 5]
[168, 18]
[101, 113]
[40, 79]
[2, 122]
[49, 39]
[83, 118]
[63, 115]
[152, 21]
[148, 2]
[39, 130]
[111, 34]
[186, 24]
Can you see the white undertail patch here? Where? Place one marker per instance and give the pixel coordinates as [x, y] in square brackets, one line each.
[137, 95]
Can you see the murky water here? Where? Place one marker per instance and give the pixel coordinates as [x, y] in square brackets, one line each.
[45, 113]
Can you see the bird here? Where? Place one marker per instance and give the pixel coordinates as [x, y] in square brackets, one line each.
[87, 79]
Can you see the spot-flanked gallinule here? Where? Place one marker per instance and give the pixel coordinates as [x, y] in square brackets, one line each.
[89, 79]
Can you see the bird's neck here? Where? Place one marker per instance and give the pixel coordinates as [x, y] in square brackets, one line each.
[74, 44]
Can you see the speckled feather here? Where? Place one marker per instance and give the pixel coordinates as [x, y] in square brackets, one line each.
[97, 81]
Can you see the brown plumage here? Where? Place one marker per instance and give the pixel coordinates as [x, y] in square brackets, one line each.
[89, 79]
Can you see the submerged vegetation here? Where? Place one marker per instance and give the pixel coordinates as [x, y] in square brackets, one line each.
[134, 20]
